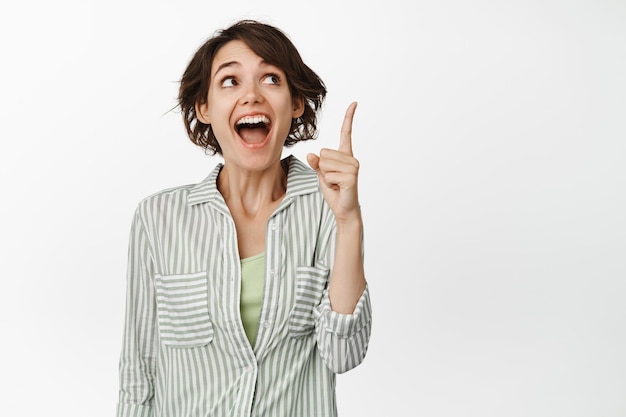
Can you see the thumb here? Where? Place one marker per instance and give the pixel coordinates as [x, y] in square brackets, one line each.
[314, 161]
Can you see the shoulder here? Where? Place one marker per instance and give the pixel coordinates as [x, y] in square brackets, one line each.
[158, 204]
[303, 189]
[301, 179]
[172, 194]
[179, 197]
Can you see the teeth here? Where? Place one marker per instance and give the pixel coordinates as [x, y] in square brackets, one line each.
[253, 120]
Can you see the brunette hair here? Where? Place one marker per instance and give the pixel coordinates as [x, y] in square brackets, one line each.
[271, 44]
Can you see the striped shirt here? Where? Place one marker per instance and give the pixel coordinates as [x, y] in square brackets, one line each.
[185, 351]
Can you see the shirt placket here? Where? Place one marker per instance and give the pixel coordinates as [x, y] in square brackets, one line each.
[231, 307]
[271, 289]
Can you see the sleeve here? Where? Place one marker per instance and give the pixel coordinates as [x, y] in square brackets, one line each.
[342, 339]
[137, 364]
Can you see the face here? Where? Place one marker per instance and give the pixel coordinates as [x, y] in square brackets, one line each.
[249, 107]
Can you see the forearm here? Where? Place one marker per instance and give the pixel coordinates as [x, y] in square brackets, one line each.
[347, 281]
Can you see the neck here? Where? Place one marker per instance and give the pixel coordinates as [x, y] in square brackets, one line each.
[251, 191]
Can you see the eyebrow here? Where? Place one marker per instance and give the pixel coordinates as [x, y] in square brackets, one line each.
[233, 63]
[225, 65]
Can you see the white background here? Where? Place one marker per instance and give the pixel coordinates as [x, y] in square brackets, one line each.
[491, 136]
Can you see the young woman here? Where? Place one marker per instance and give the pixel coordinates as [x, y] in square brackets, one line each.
[246, 292]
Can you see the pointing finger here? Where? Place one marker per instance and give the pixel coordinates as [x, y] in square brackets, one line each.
[345, 138]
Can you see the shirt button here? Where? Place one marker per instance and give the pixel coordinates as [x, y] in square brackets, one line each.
[274, 226]
[248, 368]
[266, 324]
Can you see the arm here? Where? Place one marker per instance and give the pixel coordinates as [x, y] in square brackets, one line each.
[342, 338]
[347, 281]
[344, 316]
[338, 173]
[138, 358]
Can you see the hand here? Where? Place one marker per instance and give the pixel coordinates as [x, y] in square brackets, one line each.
[338, 172]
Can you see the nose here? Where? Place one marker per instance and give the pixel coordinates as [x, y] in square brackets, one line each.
[251, 94]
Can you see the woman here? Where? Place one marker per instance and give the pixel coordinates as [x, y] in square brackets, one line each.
[246, 292]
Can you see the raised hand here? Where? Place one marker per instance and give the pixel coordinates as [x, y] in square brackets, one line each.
[338, 172]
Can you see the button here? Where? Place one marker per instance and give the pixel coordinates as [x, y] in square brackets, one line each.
[266, 324]
[274, 226]
[273, 273]
[249, 368]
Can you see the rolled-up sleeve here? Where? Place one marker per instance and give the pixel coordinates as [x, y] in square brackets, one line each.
[138, 358]
[343, 338]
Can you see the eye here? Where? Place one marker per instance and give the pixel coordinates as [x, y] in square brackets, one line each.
[228, 82]
[271, 79]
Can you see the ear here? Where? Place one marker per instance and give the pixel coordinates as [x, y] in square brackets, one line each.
[202, 113]
[298, 107]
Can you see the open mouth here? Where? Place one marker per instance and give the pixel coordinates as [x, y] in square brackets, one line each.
[253, 129]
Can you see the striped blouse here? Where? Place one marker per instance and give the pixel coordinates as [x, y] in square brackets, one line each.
[185, 351]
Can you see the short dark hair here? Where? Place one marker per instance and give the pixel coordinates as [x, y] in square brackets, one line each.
[271, 44]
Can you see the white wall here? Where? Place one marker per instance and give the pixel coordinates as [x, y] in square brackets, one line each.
[492, 141]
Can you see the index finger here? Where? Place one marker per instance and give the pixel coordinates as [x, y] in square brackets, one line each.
[345, 138]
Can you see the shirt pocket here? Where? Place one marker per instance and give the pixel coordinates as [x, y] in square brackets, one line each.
[183, 310]
[310, 285]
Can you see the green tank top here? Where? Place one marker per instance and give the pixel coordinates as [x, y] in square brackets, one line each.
[252, 281]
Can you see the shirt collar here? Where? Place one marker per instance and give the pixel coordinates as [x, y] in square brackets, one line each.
[301, 180]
